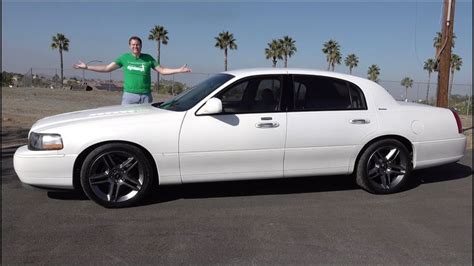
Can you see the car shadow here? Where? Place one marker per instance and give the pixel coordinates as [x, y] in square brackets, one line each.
[441, 173]
[278, 186]
[232, 188]
[67, 195]
[252, 188]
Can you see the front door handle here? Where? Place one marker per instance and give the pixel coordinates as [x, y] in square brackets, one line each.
[359, 121]
[267, 125]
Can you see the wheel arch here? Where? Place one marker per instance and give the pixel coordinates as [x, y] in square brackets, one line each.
[82, 156]
[406, 142]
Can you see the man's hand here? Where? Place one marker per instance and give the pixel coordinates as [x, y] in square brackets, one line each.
[184, 69]
[81, 65]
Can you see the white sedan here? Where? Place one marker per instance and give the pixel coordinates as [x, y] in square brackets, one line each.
[243, 124]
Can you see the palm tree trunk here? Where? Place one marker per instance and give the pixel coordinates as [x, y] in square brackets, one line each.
[286, 61]
[225, 59]
[329, 64]
[158, 73]
[62, 69]
[274, 62]
[350, 70]
[406, 94]
[428, 89]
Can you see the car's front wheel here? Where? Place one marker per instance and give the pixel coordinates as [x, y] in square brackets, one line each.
[384, 167]
[116, 175]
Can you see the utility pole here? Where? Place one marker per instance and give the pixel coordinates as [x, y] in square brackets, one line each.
[443, 55]
[110, 80]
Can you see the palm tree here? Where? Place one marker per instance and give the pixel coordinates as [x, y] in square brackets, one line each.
[373, 73]
[61, 43]
[456, 64]
[351, 61]
[160, 34]
[437, 42]
[288, 48]
[429, 66]
[225, 41]
[407, 83]
[333, 54]
[274, 51]
[335, 59]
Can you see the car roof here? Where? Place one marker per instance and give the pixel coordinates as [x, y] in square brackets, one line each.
[269, 70]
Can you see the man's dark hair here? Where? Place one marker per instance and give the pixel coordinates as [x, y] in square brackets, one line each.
[136, 39]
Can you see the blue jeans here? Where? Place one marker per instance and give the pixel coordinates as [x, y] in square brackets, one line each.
[136, 98]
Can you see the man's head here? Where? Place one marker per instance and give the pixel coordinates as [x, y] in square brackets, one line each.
[135, 45]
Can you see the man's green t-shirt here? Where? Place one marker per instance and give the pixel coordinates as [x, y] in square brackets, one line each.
[136, 72]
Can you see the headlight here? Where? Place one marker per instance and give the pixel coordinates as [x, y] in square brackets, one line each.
[39, 142]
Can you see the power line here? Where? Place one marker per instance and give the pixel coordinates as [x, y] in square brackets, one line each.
[416, 35]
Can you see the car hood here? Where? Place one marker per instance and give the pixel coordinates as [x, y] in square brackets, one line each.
[110, 112]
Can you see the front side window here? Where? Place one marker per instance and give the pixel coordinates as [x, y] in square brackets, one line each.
[188, 98]
[252, 95]
[317, 93]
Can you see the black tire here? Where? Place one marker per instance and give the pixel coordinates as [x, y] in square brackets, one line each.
[384, 167]
[116, 175]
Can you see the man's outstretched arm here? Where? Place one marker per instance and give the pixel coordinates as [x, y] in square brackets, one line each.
[97, 68]
[169, 71]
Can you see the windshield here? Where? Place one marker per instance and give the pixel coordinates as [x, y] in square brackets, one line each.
[192, 96]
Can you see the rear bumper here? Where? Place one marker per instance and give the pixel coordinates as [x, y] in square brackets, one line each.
[44, 168]
[433, 153]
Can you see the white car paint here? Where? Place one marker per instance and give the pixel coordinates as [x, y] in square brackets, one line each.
[187, 147]
[323, 142]
[235, 146]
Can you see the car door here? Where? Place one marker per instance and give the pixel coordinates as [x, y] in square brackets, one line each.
[245, 141]
[327, 121]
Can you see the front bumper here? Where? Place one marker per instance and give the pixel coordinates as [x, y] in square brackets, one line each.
[44, 168]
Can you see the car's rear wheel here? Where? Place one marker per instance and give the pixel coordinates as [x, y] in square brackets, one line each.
[384, 167]
[116, 175]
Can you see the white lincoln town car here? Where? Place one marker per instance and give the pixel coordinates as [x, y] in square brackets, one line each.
[242, 124]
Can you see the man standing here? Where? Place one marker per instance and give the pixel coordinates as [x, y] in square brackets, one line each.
[136, 71]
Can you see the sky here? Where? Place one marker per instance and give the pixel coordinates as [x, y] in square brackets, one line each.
[395, 35]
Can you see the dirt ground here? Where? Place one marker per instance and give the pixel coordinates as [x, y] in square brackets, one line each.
[22, 107]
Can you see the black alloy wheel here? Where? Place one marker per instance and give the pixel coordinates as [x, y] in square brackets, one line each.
[116, 175]
[384, 167]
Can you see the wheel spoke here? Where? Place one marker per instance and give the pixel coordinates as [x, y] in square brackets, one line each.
[384, 181]
[376, 175]
[379, 156]
[397, 169]
[373, 173]
[393, 154]
[109, 161]
[99, 179]
[129, 164]
[385, 178]
[113, 192]
[132, 183]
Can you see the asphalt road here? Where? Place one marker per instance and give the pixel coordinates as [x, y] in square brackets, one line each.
[317, 220]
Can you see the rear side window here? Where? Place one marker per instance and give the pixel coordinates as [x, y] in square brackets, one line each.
[316, 93]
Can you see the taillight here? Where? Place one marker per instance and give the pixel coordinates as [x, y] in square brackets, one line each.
[458, 120]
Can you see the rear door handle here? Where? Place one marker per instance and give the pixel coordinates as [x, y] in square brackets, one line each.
[359, 121]
[267, 125]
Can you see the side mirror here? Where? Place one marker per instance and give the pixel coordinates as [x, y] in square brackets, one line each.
[212, 106]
